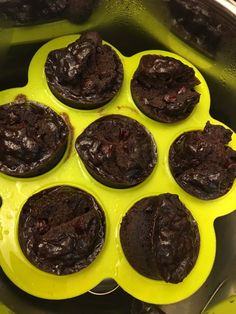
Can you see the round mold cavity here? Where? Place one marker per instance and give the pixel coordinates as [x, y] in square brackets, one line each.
[36, 134]
[87, 74]
[163, 88]
[25, 274]
[114, 150]
[146, 288]
[202, 162]
[61, 230]
[160, 238]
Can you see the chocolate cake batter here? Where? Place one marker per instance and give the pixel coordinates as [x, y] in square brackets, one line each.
[202, 163]
[160, 238]
[86, 74]
[117, 151]
[163, 88]
[61, 229]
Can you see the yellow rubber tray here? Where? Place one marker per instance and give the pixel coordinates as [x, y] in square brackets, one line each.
[111, 262]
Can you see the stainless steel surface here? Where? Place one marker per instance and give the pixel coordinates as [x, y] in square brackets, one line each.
[225, 290]
[132, 26]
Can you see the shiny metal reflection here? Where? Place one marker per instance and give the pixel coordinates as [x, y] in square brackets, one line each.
[106, 287]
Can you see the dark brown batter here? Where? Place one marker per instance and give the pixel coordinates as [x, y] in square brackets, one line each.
[117, 151]
[33, 138]
[61, 230]
[163, 88]
[202, 163]
[86, 74]
[160, 238]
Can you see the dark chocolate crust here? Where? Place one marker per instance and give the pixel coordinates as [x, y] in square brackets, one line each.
[78, 11]
[202, 163]
[86, 74]
[163, 88]
[33, 138]
[195, 22]
[160, 238]
[26, 12]
[117, 151]
[61, 230]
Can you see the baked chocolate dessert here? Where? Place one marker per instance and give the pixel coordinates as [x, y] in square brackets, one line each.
[163, 88]
[86, 74]
[33, 138]
[195, 22]
[160, 238]
[49, 8]
[202, 163]
[19, 12]
[61, 229]
[117, 151]
[78, 11]
[25, 12]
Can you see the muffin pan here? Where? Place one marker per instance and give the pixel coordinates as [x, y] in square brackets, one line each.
[111, 261]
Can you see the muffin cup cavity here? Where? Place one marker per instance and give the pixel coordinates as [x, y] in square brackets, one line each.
[23, 12]
[117, 151]
[33, 138]
[163, 88]
[202, 163]
[115, 197]
[160, 238]
[61, 229]
[86, 74]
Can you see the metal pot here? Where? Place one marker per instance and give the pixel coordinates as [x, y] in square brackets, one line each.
[203, 32]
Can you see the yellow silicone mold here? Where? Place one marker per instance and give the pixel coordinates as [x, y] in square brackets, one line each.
[111, 262]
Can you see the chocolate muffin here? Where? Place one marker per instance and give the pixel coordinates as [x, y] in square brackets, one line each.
[86, 74]
[33, 138]
[202, 163]
[78, 11]
[197, 23]
[61, 229]
[160, 238]
[163, 88]
[25, 12]
[49, 9]
[117, 151]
